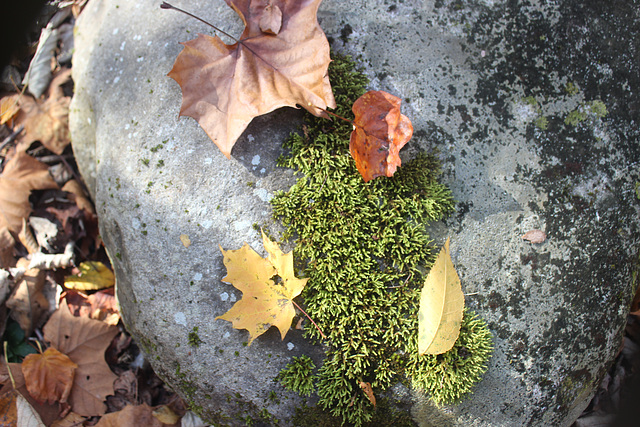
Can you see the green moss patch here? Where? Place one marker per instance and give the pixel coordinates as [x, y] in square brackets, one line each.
[366, 252]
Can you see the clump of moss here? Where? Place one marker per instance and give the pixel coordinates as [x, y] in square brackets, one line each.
[297, 376]
[365, 250]
[447, 377]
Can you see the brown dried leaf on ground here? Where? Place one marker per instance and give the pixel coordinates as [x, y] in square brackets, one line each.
[84, 341]
[380, 131]
[48, 413]
[7, 243]
[49, 376]
[132, 416]
[98, 306]
[225, 86]
[48, 121]
[28, 304]
[8, 411]
[20, 176]
[264, 302]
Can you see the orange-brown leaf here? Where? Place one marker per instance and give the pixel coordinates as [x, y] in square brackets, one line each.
[225, 86]
[20, 176]
[49, 376]
[27, 303]
[84, 341]
[380, 132]
[368, 391]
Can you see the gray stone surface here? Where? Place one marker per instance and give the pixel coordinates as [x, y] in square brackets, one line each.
[478, 78]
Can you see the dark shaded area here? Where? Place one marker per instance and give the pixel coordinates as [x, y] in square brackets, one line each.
[16, 19]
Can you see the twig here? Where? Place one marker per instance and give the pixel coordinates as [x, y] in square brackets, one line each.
[166, 5]
[11, 137]
[314, 323]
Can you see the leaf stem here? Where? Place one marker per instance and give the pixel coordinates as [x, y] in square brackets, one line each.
[314, 323]
[166, 5]
[335, 115]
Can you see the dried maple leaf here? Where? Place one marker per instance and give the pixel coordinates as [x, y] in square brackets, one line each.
[49, 376]
[84, 341]
[20, 176]
[264, 302]
[271, 66]
[380, 131]
[441, 306]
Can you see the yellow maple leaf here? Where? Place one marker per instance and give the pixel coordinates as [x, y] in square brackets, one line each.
[268, 288]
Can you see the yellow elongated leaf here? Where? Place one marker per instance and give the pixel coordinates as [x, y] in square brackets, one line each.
[441, 306]
[264, 302]
[93, 276]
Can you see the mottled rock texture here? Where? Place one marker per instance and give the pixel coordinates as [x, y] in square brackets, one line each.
[534, 109]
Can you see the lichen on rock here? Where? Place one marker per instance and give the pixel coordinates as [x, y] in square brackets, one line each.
[366, 252]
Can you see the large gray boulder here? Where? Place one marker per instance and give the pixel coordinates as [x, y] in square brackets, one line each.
[534, 110]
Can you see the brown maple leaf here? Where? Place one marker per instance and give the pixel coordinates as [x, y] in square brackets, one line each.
[84, 341]
[380, 131]
[264, 302]
[49, 376]
[281, 59]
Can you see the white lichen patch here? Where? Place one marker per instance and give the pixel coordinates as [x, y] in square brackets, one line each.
[224, 296]
[180, 318]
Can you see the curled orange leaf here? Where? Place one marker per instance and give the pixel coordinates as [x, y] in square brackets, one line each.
[380, 131]
[49, 376]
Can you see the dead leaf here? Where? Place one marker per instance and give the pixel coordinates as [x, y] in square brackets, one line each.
[225, 86]
[47, 413]
[131, 416]
[186, 242]
[93, 276]
[48, 121]
[8, 410]
[380, 131]
[27, 303]
[84, 341]
[264, 302]
[7, 243]
[9, 107]
[71, 420]
[165, 415]
[441, 306]
[27, 415]
[49, 376]
[368, 391]
[80, 197]
[98, 306]
[535, 236]
[20, 176]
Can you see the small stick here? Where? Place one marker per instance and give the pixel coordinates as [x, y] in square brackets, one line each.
[166, 5]
[314, 323]
[11, 137]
